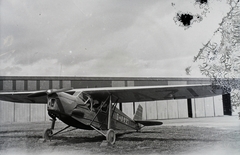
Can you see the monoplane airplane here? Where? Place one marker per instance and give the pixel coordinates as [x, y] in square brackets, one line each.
[96, 108]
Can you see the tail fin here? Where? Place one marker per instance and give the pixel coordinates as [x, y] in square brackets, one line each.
[138, 118]
[138, 114]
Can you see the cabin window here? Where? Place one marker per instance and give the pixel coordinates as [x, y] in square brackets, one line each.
[105, 107]
[93, 104]
[85, 98]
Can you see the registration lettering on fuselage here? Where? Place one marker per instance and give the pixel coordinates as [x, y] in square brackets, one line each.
[122, 119]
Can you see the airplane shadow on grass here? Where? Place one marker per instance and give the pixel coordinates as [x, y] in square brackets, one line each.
[121, 136]
[126, 137]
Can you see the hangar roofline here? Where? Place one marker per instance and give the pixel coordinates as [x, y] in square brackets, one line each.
[102, 78]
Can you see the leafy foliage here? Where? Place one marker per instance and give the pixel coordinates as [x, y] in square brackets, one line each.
[220, 59]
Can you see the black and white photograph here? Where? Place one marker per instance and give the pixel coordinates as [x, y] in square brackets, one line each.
[115, 77]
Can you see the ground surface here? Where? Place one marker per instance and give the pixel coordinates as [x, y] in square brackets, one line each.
[219, 135]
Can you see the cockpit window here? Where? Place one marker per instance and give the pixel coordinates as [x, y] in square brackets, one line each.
[93, 104]
[85, 98]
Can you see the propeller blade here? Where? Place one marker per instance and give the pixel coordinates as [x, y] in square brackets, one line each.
[38, 94]
[52, 91]
[49, 92]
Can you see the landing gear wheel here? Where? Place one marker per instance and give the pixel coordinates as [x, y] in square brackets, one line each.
[111, 136]
[47, 134]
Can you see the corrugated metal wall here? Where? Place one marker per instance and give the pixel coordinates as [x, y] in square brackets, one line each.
[170, 109]
[15, 112]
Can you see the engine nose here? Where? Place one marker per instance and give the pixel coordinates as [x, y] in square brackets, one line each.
[62, 103]
[53, 104]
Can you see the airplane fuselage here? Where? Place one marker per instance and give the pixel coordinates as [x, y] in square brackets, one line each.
[73, 111]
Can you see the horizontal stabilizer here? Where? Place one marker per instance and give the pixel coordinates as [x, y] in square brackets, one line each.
[148, 122]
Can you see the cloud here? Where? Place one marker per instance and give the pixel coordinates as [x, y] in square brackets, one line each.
[8, 41]
[105, 37]
[51, 29]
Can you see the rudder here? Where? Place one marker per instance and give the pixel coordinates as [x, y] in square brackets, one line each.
[139, 113]
[138, 118]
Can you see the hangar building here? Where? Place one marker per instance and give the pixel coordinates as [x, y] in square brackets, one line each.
[168, 109]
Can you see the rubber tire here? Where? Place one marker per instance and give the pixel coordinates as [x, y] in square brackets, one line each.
[111, 136]
[47, 134]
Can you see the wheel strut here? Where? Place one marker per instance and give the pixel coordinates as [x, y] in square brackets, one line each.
[110, 135]
[48, 133]
[53, 123]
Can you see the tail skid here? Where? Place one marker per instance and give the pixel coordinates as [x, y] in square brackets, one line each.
[138, 118]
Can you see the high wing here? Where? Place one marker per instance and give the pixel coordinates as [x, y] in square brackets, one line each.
[23, 97]
[122, 94]
[153, 93]
[38, 97]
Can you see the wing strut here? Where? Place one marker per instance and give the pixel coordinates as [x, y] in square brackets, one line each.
[99, 110]
[109, 112]
[110, 135]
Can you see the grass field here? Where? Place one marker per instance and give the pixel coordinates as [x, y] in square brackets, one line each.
[190, 136]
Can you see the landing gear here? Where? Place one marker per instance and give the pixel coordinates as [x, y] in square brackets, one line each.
[47, 134]
[111, 136]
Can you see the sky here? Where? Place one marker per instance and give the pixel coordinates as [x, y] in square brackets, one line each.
[103, 37]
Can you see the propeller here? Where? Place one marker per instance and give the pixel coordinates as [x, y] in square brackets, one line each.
[49, 92]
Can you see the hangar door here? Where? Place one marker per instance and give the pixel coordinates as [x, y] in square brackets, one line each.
[227, 107]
